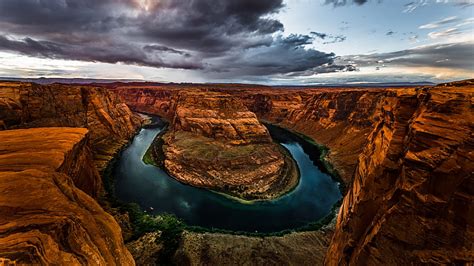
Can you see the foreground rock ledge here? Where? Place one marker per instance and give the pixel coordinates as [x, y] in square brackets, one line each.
[45, 218]
[216, 143]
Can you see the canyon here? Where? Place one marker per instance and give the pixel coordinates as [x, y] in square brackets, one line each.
[404, 154]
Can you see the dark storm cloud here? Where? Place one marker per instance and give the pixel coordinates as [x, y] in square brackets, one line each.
[284, 56]
[112, 53]
[453, 55]
[191, 34]
[161, 48]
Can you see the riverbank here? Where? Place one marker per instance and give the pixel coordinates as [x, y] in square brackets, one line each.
[318, 153]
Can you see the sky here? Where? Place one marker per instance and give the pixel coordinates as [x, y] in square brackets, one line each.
[298, 42]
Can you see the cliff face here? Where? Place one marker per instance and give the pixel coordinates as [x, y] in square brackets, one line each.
[153, 100]
[412, 195]
[215, 142]
[109, 120]
[340, 119]
[47, 217]
[218, 116]
[406, 155]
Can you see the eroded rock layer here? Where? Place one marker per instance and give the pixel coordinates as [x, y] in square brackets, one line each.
[45, 218]
[215, 142]
[412, 196]
[109, 120]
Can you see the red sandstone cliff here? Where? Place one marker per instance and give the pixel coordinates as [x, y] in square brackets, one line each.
[46, 217]
[338, 118]
[411, 200]
[109, 120]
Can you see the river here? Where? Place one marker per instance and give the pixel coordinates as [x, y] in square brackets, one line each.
[157, 192]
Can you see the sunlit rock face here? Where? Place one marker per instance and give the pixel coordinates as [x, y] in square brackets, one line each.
[108, 118]
[47, 215]
[215, 142]
[412, 195]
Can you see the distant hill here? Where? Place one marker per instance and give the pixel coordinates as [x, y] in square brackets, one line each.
[151, 83]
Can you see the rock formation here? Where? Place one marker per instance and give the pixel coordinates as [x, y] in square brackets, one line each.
[46, 218]
[216, 143]
[302, 248]
[110, 122]
[411, 200]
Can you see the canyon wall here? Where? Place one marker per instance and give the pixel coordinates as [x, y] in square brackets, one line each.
[49, 169]
[339, 118]
[109, 120]
[48, 218]
[411, 200]
[405, 154]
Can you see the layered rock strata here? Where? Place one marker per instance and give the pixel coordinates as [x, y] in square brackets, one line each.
[339, 118]
[48, 218]
[412, 196]
[109, 120]
[216, 143]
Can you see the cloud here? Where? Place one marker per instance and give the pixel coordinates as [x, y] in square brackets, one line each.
[285, 55]
[412, 6]
[328, 38]
[390, 33]
[337, 3]
[93, 52]
[444, 33]
[450, 55]
[439, 23]
[210, 36]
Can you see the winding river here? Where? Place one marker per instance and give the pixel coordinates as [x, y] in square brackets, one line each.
[157, 192]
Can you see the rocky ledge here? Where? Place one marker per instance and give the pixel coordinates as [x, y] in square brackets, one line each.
[46, 218]
[215, 142]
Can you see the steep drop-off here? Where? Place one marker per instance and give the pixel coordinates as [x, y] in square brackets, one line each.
[215, 142]
[411, 200]
[109, 120]
[405, 153]
[46, 218]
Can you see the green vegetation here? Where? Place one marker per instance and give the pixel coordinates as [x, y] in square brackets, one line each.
[170, 226]
[154, 155]
[197, 146]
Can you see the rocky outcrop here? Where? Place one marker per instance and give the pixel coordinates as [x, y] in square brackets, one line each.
[109, 120]
[302, 248]
[216, 143]
[47, 217]
[411, 200]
